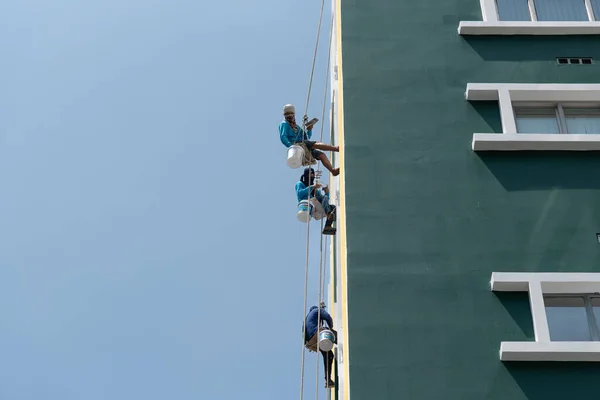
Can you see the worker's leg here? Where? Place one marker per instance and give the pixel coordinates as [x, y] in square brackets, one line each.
[329, 209]
[319, 155]
[329, 229]
[312, 145]
[327, 365]
[326, 147]
[327, 164]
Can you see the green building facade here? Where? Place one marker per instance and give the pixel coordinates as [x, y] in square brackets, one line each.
[469, 199]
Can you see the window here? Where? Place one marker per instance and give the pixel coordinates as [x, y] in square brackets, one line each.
[582, 120]
[596, 8]
[548, 10]
[536, 120]
[571, 317]
[565, 310]
[561, 10]
[513, 10]
[558, 119]
[540, 116]
[535, 17]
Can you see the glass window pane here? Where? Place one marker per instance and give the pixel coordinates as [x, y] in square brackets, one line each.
[541, 120]
[531, 124]
[561, 10]
[567, 319]
[513, 10]
[596, 309]
[596, 8]
[582, 121]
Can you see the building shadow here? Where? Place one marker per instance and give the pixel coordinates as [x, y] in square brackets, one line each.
[544, 170]
[555, 380]
[535, 170]
[517, 306]
[489, 112]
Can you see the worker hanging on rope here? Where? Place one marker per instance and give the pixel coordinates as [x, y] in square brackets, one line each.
[307, 186]
[313, 325]
[290, 134]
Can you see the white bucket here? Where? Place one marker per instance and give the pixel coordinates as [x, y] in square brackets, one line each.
[326, 340]
[304, 211]
[295, 156]
[317, 212]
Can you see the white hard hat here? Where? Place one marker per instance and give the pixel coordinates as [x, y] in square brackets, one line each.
[289, 108]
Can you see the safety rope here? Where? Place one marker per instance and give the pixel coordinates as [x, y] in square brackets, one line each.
[305, 297]
[312, 70]
[319, 320]
[321, 264]
[304, 120]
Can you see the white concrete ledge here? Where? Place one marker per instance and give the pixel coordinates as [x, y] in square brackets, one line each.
[545, 92]
[510, 281]
[569, 282]
[535, 141]
[538, 284]
[529, 28]
[550, 351]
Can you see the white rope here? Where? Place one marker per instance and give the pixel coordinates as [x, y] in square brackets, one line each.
[309, 195]
[319, 317]
[305, 296]
[321, 264]
[326, 83]
[312, 70]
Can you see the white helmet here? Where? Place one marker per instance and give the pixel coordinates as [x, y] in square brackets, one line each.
[289, 108]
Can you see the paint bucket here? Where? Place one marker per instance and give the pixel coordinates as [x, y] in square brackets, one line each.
[317, 212]
[304, 211]
[326, 340]
[295, 156]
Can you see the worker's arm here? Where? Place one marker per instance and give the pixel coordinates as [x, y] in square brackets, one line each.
[301, 191]
[284, 129]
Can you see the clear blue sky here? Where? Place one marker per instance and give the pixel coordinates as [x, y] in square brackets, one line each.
[149, 247]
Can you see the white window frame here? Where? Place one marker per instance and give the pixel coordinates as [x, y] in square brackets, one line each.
[492, 26]
[508, 93]
[538, 284]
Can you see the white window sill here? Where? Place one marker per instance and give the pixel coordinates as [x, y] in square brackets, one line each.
[550, 351]
[529, 28]
[537, 141]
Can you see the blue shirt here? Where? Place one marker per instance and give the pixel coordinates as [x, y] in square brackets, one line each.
[312, 321]
[289, 137]
[302, 192]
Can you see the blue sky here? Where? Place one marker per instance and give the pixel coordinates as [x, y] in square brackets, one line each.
[149, 247]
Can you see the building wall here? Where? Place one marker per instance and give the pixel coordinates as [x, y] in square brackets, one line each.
[428, 220]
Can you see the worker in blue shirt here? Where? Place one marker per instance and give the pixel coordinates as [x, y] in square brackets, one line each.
[315, 318]
[307, 185]
[290, 133]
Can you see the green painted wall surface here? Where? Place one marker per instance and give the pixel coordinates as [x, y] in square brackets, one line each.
[429, 220]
